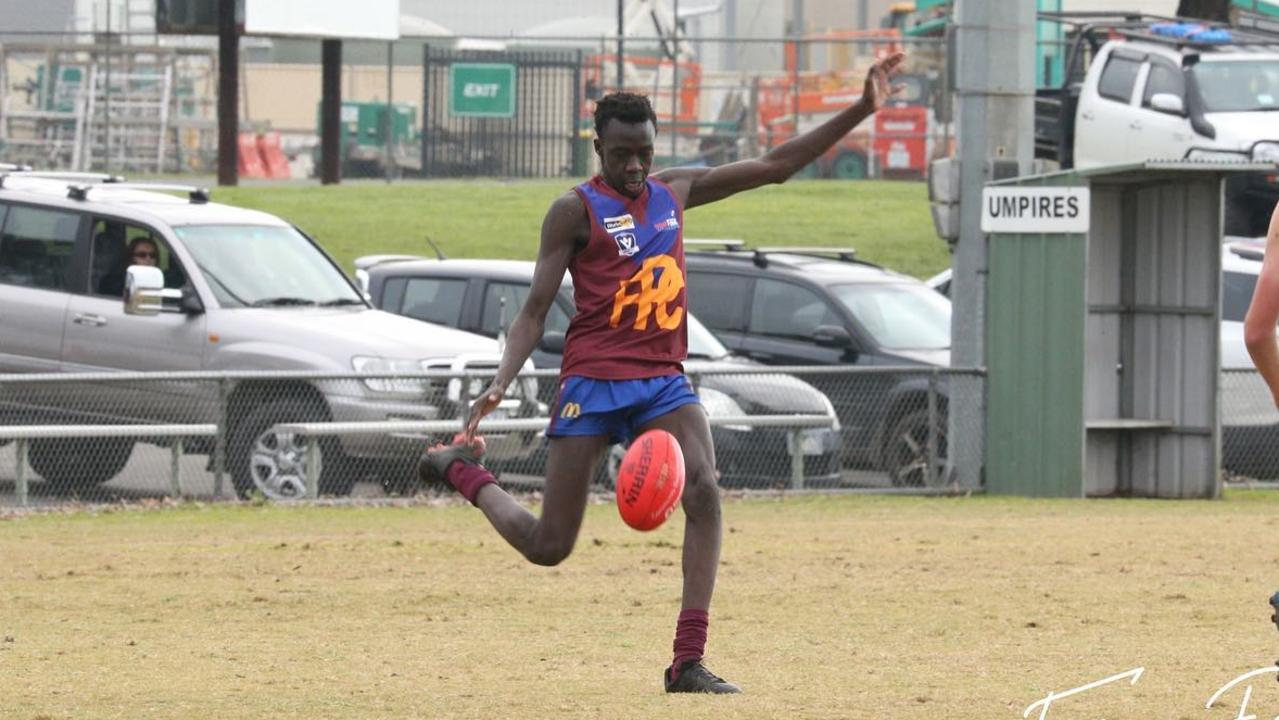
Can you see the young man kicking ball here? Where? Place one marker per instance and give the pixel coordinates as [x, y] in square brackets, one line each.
[620, 236]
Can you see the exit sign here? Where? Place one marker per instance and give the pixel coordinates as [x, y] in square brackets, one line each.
[482, 90]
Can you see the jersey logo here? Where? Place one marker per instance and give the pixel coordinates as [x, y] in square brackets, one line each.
[621, 222]
[571, 410]
[626, 244]
[659, 283]
[670, 223]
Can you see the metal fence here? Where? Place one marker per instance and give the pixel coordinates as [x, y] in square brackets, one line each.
[130, 436]
[142, 103]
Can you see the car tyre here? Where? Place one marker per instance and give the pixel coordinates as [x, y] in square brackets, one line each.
[71, 464]
[273, 464]
[906, 450]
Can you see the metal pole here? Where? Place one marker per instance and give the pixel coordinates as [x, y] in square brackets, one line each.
[312, 467]
[106, 91]
[796, 459]
[228, 91]
[331, 112]
[674, 81]
[390, 108]
[175, 469]
[220, 441]
[621, 50]
[20, 486]
[994, 92]
[930, 478]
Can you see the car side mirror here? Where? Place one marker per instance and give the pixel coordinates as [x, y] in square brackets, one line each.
[1167, 103]
[144, 291]
[832, 336]
[552, 343]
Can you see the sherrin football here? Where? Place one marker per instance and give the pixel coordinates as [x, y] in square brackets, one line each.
[650, 480]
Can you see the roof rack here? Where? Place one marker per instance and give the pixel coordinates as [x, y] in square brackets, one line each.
[58, 175]
[724, 243]
[197, 195]
[845, 254]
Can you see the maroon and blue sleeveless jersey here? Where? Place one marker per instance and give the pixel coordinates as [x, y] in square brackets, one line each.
[628, 285]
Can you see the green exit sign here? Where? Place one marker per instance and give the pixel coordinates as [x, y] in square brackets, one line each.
[482, 89]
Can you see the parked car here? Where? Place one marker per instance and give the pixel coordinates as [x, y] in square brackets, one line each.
[823, 306]
[1249, 421]
[1140, 89]
[232, 290]
[482, 296]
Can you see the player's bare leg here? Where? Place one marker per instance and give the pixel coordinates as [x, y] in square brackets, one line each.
[545, 540]
[702, 535]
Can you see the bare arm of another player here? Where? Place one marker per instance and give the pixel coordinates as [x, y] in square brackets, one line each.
[559, 234]
[698, 186]
[1259, 324]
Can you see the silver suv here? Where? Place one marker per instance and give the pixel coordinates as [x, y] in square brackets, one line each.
[230, 289]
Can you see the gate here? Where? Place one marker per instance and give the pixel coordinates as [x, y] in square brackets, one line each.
[507, 114]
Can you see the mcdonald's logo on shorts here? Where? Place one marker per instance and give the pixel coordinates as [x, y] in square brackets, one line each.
[571, 410]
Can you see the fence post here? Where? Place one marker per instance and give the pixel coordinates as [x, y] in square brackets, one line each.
[930, 478]
[21, 480]
[220, 440]
[175, 468]
[312, 467]
[796, 459]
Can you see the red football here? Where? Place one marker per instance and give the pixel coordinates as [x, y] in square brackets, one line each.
[650, 480]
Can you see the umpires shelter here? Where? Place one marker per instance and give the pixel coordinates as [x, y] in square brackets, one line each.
[1102, 336]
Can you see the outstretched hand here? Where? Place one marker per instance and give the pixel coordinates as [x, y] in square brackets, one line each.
[486, 404]
[879, 86]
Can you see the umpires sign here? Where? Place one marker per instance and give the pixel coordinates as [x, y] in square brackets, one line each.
[482, 90]
[1020, 210]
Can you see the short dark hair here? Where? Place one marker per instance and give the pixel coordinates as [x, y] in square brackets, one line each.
[624, 106]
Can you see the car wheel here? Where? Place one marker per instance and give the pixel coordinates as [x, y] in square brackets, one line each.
[849, 166]
[906, 451]
[71, 464]
[274, 464]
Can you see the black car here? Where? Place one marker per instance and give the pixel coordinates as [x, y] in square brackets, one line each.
[823, 306]
[482, 296]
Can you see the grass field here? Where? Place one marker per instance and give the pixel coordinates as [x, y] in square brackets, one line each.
[828, 607]
[888, 222]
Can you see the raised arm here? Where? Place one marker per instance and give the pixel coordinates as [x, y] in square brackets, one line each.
[698, 186]
[561, 230]
[1263, 313]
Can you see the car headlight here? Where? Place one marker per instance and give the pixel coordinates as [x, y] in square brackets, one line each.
[719, 404]
[390, 366]
[1266, 152]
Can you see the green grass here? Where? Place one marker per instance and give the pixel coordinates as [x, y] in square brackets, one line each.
[888, 222]
[826, 607]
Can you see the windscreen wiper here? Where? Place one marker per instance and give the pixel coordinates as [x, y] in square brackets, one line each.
[282, 302]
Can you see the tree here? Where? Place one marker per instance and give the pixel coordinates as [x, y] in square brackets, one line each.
[1216, 10]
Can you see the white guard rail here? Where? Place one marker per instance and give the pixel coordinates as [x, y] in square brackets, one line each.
[22, 434]
[795, 423]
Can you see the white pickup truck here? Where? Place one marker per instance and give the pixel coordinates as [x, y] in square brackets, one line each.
[1170, 90]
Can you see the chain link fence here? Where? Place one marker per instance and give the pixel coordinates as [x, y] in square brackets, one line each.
[132, 436]
[1249, 428]
[140, 103]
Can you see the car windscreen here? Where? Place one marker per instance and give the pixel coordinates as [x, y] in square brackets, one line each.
[1236, 295]
[265, 266]
[1238, 85]
[899, 316]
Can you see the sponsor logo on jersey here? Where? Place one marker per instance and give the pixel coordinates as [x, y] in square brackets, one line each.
[621, 222]
[670, 223]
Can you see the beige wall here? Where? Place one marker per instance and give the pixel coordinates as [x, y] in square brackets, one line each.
[843, 14]
[286, 97]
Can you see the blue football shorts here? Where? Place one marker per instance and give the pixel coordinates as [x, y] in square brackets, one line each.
[616, 408]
